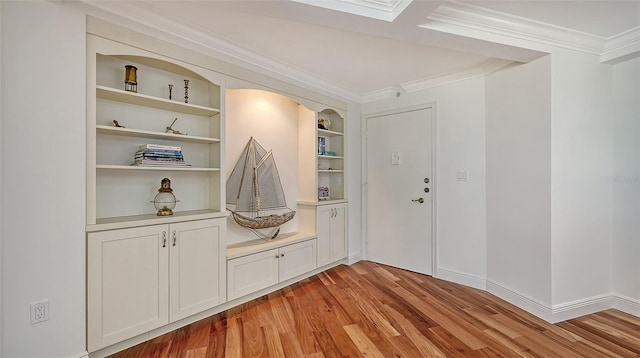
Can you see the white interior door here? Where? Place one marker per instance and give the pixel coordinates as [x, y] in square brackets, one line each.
[399, 172]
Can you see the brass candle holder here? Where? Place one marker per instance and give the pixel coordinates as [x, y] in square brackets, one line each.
[130, 78]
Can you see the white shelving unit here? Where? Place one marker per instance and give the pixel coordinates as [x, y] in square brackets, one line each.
[119, 192]
[182, 257]
[317, 168]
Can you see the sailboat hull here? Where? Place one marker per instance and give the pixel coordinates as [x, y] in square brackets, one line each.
[262, 222]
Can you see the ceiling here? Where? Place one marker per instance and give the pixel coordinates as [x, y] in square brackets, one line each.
[364, 49]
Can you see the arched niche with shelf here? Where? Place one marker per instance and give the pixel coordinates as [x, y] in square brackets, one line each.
[118, 191]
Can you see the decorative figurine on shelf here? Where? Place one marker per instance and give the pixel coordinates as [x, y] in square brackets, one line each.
[324, 123]
[323, 193]
[186, 91]
[130, 78]
[117, 125]
[170, 89]
[174, 131]
[165, 201]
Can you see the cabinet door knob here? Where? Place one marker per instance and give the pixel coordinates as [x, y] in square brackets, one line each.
[277, 256]
[281, 255]
[174, 237]
[164, 239]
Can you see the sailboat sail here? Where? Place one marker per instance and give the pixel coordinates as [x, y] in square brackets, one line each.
[254, 192]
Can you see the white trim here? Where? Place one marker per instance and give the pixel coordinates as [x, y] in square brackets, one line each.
[478, 22]
[354, 257]
[376, 9]
[481, 69]
[528, 304]
[211, 44]
[567, 310]
[489, 25]
[461, 278]
[621, 47]
[434, 155]
[577, 308]
[627, 304]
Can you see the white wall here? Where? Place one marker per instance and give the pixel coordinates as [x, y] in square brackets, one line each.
[2, 270]
[581, 189]
[518, 180]
[43, 157]
[460, 116]
[626, 181]
[354, 180]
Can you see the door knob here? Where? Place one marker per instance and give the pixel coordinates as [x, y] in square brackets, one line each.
[419, 200]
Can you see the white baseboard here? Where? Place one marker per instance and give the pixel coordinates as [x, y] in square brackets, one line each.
[569, 310]
[461, 278]
[564, 311]
[526, 303]
[627, 304]
[354, 257]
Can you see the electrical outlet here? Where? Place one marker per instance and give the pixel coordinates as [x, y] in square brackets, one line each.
[39, 311]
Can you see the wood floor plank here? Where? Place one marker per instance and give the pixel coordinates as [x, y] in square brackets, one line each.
[274, 344]
[364, 344]
[217, 336]
[372, 310]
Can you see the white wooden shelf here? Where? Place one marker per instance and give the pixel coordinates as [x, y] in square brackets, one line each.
[154, 102]
[326, 133]
[320, 156]
[329, 201]
[165, 168]
[258, 245]
[109, 130]
[331, 171]
[123, 222]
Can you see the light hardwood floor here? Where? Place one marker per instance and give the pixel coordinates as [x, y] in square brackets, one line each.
[372, 310]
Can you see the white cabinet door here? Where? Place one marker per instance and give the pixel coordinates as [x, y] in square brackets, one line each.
[331, 227]
[338, 229]
[323, 229]
[297, 259]
[195, 275]
[127, 287]
[252, 273]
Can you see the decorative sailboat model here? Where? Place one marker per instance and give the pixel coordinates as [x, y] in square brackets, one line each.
[254, 193]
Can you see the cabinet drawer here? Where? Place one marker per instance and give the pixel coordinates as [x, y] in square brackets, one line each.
[252, 273]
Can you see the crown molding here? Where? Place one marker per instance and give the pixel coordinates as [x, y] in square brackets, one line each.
[490, 25]
[622, 47]
[486, 67]
[386, 10]
[216, 46]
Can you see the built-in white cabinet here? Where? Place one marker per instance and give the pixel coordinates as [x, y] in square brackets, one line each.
[139, 279]
[321, 156]
[259, 270]
[187, 117]
[331, 227]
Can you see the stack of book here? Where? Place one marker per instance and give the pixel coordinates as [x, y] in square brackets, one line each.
[159, 155]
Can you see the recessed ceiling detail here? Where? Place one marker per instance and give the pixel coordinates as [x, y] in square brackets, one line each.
[386, 10]
[473, 21]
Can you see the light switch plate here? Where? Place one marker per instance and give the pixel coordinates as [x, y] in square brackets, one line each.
[462, 175]
[396, 158]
